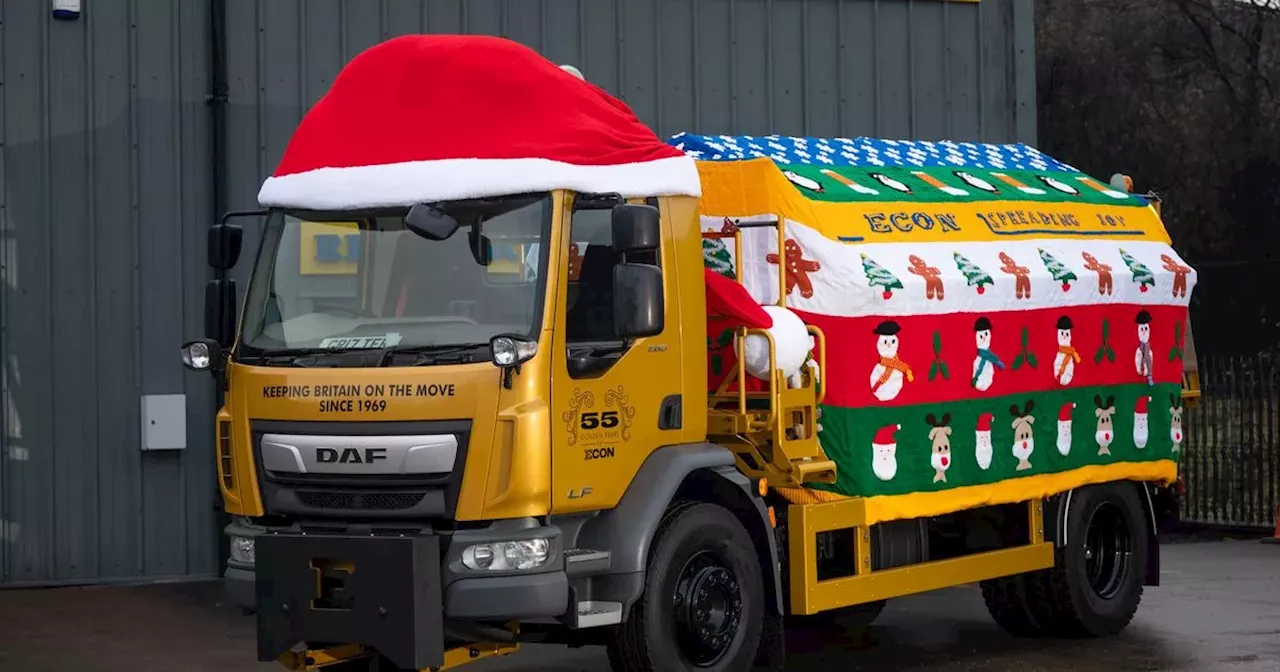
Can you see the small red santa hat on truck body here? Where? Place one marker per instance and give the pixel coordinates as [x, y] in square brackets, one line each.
[426, 118]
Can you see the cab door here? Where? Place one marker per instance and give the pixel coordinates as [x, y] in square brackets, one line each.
[613, 400]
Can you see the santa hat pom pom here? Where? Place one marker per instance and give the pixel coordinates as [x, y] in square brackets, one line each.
[791, 345]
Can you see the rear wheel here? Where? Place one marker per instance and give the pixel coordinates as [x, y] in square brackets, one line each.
[1096, 584]
[703, 603]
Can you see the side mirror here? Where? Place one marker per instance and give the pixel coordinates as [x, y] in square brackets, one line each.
[635, 228]
[225, 241]
[202, 355]
[430, 222]
[481, 249]
[638, 305]
[220, 311]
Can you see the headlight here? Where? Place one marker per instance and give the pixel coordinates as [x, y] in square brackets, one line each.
[508, 351]
[242, 550]
[506, 556]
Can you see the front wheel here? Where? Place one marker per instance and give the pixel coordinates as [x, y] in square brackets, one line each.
[1096, 584]
[703, 601]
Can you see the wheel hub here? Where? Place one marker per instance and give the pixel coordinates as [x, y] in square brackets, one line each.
[708, 609]
[1108, 549]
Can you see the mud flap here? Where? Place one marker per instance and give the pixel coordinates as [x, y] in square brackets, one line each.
[772, 655]
[380, 592]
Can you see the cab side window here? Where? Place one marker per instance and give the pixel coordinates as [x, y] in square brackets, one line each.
[590, 316]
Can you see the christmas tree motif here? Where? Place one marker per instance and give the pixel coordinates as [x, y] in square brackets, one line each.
[877, 276]
[715, 256]
[973, 275]
[1057, 269]
[1141, 274]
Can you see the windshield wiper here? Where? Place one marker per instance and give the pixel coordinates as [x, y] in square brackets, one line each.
[298, 356]
[433, 353]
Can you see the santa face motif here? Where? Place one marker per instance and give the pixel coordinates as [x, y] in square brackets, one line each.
[982, 450]
[1140, 430]
[1064, 437]
[884, 461]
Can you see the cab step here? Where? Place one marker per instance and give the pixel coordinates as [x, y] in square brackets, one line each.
[585, 562]
[594, 613]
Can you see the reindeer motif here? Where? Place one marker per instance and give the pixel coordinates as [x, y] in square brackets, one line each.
[1105, 433]
[1024, 440]
[940, 435]
[1179, 274]
[1021, 275]
[1103, 271]
[1175, 421]
[933, 287]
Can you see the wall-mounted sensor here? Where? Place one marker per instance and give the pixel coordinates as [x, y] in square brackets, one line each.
[66, 10]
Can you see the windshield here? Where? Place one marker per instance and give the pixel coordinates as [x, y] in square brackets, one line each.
[342, 282]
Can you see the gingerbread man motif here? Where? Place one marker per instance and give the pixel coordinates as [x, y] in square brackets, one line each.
[1179, 274]
[1103, 270]
[797, 269]
[1021, 275]
[932, 282]
[575, 262]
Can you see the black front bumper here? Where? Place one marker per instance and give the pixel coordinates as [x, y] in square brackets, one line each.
[380, 592]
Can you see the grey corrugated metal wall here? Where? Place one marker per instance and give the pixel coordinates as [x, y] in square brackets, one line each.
[103, 207]
[106, 188]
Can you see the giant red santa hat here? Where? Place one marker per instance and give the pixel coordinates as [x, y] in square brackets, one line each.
[425, 118]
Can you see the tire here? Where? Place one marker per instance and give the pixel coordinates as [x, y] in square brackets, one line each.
[702, 560]
[1095, 586]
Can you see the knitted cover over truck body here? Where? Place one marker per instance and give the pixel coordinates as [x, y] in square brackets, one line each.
[1033, 311]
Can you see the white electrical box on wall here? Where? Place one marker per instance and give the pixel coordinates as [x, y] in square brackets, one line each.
[164, 422]
[66, 10]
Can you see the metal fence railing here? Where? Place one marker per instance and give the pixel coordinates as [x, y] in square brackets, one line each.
[1231, 464]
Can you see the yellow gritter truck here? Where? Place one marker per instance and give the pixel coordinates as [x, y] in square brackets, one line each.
[508, 368]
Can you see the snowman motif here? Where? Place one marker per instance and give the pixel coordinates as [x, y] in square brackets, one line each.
[1142, 358]
[1064, 363]
[1064, 428]
[982, 450]
[884, 453]
[1105, 433]
[940, 437]
[986, 362]
[1141, 431]
[889, 374]
[1024, 440]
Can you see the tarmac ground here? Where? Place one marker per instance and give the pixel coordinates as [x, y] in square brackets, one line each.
[1218, 609]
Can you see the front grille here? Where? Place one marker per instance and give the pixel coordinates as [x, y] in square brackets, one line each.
[360, 501]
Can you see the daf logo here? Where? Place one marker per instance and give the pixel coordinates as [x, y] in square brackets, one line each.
[350, 455]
